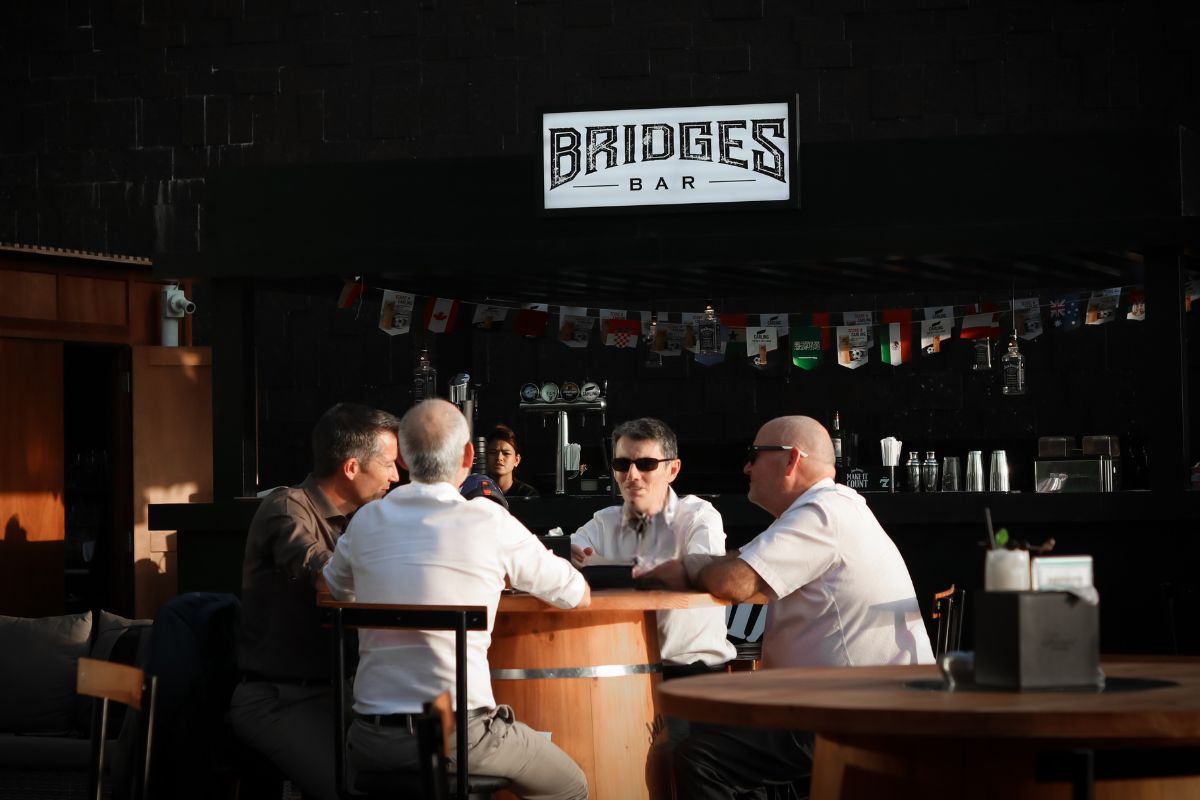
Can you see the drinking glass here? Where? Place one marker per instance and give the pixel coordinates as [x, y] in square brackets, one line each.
[951, 474]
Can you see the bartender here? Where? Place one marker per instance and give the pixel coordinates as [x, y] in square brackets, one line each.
[503, 456]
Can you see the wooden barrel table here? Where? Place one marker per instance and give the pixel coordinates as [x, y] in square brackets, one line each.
[586, 677]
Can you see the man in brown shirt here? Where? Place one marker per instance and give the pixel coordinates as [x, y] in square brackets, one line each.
[284, 706]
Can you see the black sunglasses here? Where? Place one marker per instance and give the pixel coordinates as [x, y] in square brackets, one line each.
[753, 450]
[643, 464]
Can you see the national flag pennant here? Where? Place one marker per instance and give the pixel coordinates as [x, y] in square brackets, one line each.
[895, 336]
[531, 321]
[733, 333]
[622, 333]
[1065, 313]
[440, 314]
[980, 321]
[350, 294]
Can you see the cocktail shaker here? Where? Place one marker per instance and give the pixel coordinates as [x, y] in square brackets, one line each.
[998, 472]
[912, 471]
[929, 472]
[975, 471]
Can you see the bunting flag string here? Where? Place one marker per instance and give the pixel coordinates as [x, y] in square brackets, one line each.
[765, 339]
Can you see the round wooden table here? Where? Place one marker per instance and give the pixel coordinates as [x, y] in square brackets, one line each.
[884, 732]
[587, 677]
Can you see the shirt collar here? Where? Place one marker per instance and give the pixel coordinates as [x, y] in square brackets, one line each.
[667, 513]
[438, 491]
[811, 492]
[320, 500]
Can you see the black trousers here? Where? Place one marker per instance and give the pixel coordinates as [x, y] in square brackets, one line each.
[723, 763]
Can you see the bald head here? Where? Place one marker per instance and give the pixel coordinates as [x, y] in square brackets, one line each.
[805, 433]
[433, 441]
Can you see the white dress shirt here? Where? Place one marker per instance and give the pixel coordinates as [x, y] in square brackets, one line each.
[845, 597]
[685, 525]
[427, 544]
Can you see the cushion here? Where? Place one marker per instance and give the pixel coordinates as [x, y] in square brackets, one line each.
[37, 672]
[110, 628]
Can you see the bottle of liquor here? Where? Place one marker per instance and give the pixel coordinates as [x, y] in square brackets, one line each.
[424, 378]
[835, 434]
[1012, 370]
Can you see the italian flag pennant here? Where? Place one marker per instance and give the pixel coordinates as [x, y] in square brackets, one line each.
[440, 314]
[980, 322]
[895, 336]
[852, 345]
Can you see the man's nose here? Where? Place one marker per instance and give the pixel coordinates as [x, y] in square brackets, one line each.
[746, 468]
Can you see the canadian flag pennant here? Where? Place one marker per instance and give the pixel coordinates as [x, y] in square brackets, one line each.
[1028, 317]
[440, 314]
[1137, 306]
[622, 333]
[1102, 306]
[980, 321]
[395, 314]
[895, 336]
[852, 345]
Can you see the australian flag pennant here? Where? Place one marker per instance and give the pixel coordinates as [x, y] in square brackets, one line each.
[1066, 313]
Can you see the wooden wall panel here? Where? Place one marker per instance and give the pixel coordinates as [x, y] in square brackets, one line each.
[96, 301]
[172, 457]
[28, 295]
[32, 517]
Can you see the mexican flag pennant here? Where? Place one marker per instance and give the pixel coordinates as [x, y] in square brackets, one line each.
[864, 319]
[1137, 306]
[395, 315]
[1191, 290]
[621, 333]
[350, 294]
[440, 314]
[1065, 313]
[980, 321]
[574, 326]
[1027, 317]
[532, 321]
[934, 332]
[1102, 306]
[852, 345]
[895, 336]
[806, 347]
[489, 318]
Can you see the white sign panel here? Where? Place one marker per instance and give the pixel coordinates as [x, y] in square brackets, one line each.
[686, 155]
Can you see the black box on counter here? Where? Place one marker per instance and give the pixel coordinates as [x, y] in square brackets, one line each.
[1036, 640]
[871, 479]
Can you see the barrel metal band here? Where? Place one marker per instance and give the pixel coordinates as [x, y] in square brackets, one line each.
[599, 671]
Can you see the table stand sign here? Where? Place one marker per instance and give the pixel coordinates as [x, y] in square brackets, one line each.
[1036, 640]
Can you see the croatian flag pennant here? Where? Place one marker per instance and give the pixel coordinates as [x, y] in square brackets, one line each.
[395, 315]
[489, 317]
[895, 336]
[532, 321]
[440, 314]
[864, 319]
[1028, 317]
[1102, 306]
[980, 321]
[1065, 314]
[1137, 306]
[852, 345]
[621, 333]
[574, 326]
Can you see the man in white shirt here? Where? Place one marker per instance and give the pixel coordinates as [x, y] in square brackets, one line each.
[426, 544]
[655, 525]
[840, 595]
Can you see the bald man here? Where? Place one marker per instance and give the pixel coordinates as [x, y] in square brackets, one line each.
[427, 544]
[839, 591]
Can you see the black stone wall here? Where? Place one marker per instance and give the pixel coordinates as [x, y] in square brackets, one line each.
[115, 111]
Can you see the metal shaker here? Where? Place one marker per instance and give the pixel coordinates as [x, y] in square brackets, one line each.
[998, 472]
[975, 471]
[929, 472]
[912, 471]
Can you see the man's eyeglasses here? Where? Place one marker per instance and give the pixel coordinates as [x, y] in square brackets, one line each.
[753, 450]
[643, 464]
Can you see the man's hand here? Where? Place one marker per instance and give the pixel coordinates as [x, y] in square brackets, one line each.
[668, 575]
[579, 554]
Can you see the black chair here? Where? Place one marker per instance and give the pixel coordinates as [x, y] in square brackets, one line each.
[459, 619]
[108, 682]
[948, 611]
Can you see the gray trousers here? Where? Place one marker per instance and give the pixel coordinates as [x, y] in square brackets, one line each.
[719, 763]
[497, 745]
[293, 726]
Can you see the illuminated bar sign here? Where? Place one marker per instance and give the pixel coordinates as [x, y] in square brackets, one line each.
[678, 156]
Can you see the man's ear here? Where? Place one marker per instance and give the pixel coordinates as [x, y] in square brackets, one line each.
[400, 461]
[468, 456]
[793, 461]
[351, 468]
[673, 472]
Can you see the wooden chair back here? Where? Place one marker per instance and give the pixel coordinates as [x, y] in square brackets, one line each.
[111, 682]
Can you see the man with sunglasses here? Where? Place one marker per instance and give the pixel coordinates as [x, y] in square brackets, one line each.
[839, 591]
[655, 525]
